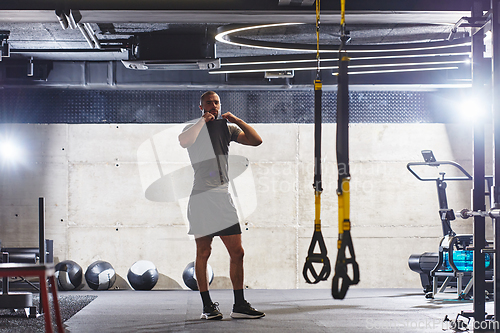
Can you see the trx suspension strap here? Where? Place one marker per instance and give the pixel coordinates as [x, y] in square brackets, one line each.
[317, 238]
[342, 280]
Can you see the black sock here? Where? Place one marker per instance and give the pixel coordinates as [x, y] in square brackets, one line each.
[205, 298]
[238, 297]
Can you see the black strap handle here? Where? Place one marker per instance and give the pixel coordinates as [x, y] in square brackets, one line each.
[341, 280]
[317, 258]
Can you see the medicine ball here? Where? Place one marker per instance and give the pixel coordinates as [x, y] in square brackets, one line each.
[189, 276]
[143, 275]
[68, 275]
[100, 275]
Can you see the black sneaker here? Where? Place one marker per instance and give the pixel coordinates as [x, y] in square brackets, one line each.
[211, 312]
[246, 311]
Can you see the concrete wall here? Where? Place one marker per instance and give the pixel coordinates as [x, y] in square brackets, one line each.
[119, 193]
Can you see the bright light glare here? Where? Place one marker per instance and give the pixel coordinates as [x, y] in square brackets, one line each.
[10, 151]
[488, 52]
[473, 109]
[487, 36]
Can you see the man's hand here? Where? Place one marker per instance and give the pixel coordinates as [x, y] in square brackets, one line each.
[208, 117]
[230, 117]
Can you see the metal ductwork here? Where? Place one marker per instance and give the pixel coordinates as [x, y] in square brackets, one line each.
[173, 51]
[172, 64]
[296, 2]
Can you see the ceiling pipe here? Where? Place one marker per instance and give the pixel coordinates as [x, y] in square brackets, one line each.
[92, 35]
[71, 19]
[86, 34]
[61, 17]
[71, 22]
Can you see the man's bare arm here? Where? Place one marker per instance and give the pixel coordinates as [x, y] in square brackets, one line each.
[249, 136]
[188, 137]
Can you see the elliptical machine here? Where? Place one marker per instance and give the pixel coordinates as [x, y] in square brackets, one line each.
[452, 265]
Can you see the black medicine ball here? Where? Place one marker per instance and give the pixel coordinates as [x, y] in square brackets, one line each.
[100, 275]
[143, 275]
[189, 276]
[68, 275]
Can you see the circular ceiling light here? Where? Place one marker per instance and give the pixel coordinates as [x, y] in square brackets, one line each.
[227, 35]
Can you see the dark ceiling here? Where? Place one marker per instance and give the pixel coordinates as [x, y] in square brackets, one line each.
[179, 31]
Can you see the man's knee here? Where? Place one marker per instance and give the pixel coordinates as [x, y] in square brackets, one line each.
[237, 253]
[203, 250]
[203, 254]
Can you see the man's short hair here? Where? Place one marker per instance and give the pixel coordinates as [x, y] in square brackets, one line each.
[207, 93]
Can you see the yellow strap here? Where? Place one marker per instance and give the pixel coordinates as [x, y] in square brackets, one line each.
[317, 215]
[317, 86]
[317, 28]
[342, 11]
[344, 203]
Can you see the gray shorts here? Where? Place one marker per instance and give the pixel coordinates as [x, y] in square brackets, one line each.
[212, 213]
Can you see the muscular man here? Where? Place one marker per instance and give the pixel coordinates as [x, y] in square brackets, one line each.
[210, 210]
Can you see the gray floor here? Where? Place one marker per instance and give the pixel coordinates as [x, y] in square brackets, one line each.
[363, 310]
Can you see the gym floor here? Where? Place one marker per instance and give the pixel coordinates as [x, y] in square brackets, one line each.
[311, 310]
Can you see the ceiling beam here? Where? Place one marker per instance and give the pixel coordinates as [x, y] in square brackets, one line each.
[386, 5]
[236, 17]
